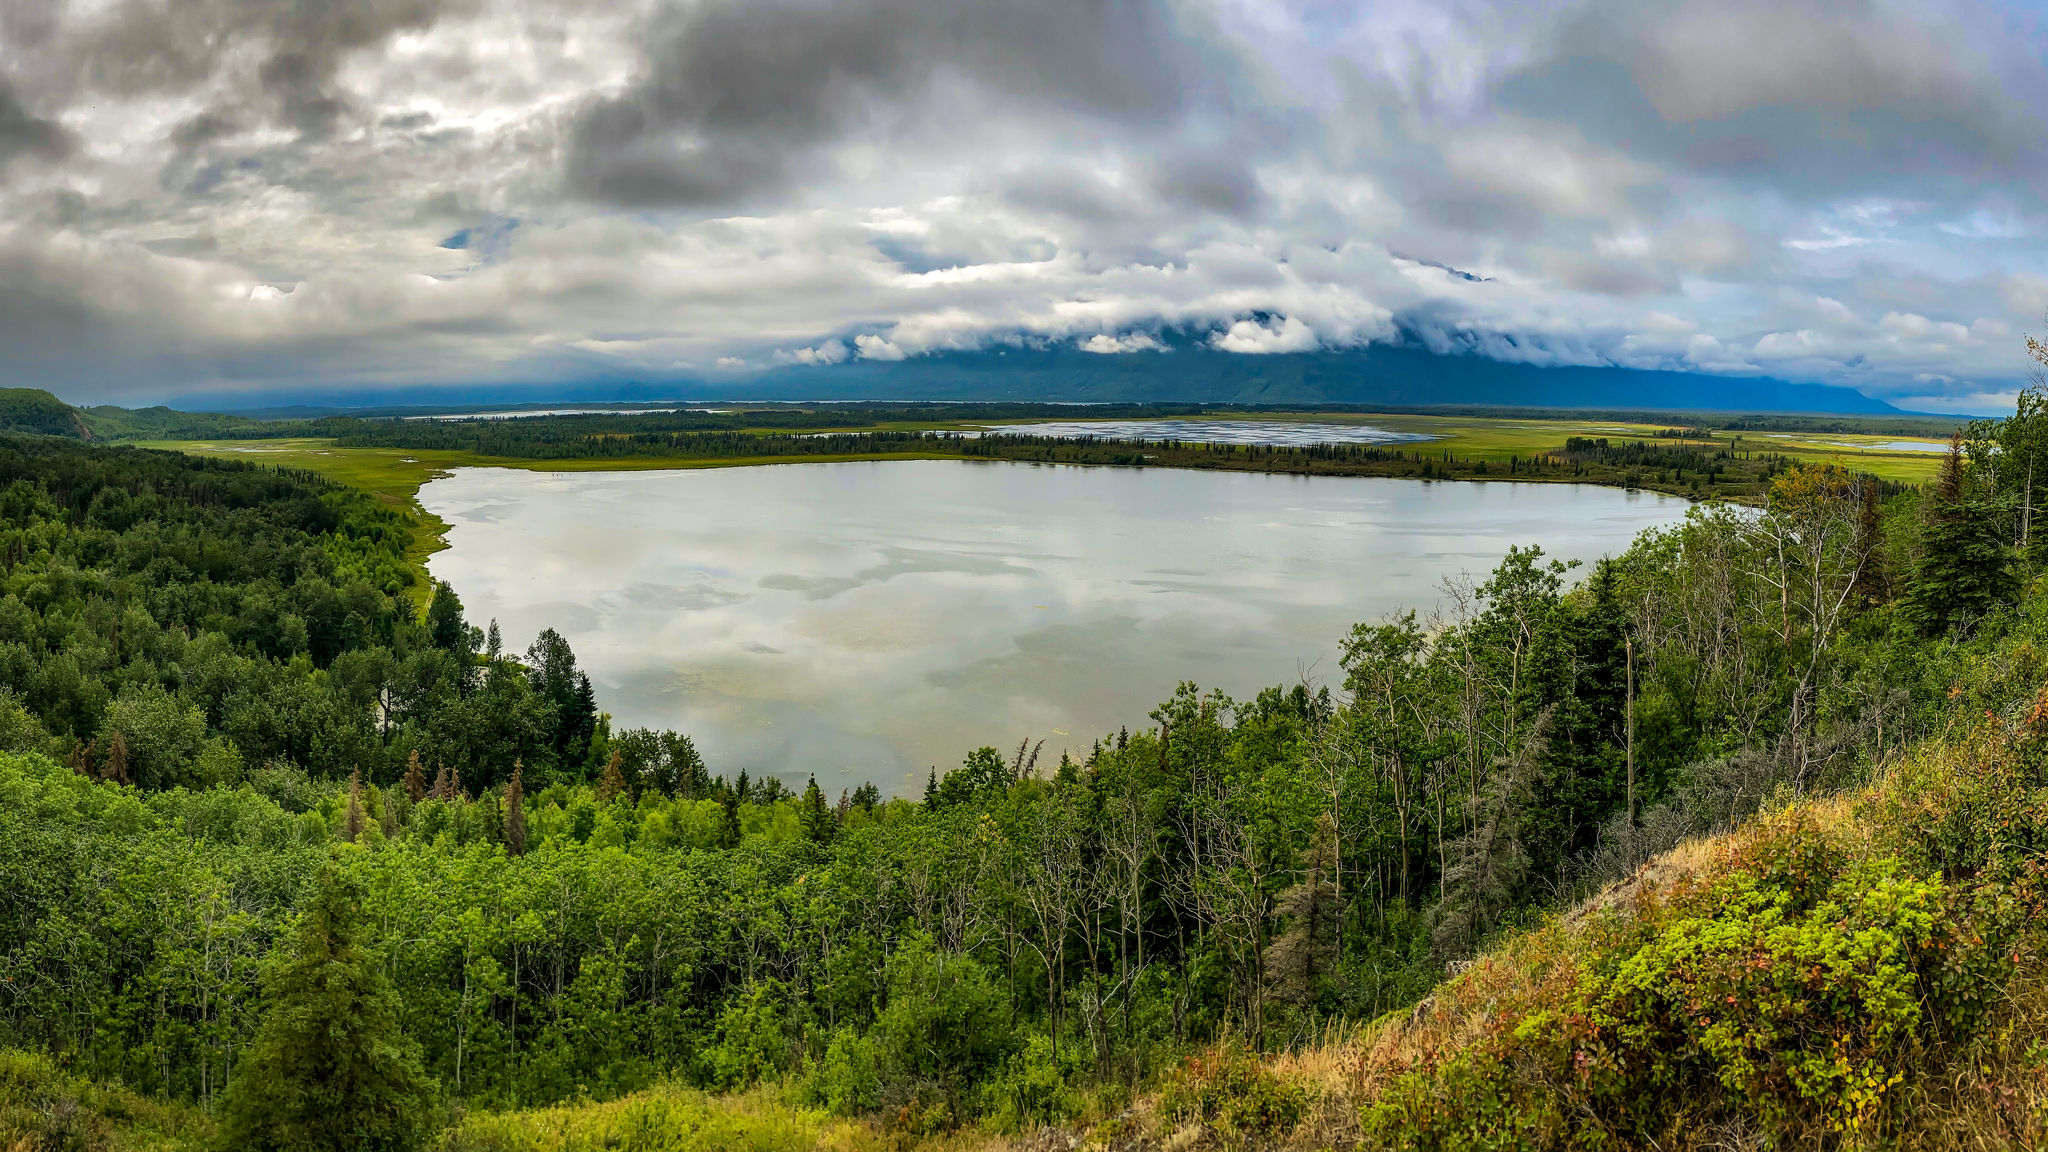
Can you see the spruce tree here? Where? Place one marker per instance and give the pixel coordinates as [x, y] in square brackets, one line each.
[354, 828]
[613, 783]
[329, 1069]
[116, 767]
[442, 790]
[444, 619]
[581, 724]
[1964, 569]
[515, 812]
[1302, 961]
[415, 777]
[818, 821]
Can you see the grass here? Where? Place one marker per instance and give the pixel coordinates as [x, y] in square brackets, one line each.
[1520, 1049]
[669, 1118]
[1495, 439]
[42, 1107]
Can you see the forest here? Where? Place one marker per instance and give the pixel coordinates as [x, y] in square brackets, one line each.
[260, 788]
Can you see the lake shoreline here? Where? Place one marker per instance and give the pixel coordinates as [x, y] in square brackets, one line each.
[869, 618]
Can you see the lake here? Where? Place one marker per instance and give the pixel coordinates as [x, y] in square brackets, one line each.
[1278, 433]
[869, 620]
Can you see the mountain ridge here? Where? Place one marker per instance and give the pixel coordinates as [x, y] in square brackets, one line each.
[1390, 375]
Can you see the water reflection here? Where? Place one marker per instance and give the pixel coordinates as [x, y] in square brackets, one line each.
[1275, 432]
[868, 620]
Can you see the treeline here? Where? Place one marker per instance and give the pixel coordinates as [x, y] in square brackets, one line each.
[171, 621]
[535, 908]
[1728, 472]
[452, 430]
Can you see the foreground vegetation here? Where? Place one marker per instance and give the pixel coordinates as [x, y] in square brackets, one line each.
[278, 846]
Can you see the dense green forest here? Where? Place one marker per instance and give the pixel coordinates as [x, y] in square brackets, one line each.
[259, 790]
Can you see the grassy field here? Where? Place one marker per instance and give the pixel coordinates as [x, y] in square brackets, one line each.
[1498, 439]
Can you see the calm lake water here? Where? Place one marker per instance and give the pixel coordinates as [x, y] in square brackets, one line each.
[1274, 432]
[869, 620]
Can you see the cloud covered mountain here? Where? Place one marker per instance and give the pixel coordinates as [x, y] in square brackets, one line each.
[1378, 374]
[213, 196]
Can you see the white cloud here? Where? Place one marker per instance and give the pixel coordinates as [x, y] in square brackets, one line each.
[877, 348]
[1251, 337]
[829, 352]
[1105, 344]
[1586, 183]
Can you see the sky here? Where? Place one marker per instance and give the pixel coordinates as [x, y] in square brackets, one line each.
[242, 196]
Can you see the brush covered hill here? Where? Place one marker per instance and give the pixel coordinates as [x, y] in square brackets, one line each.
[35, 411]
[1863, 970]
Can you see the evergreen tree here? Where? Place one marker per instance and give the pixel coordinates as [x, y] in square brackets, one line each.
[729, 823]
[494, 642]
[819, 824]
[116, 767]
[582, 721]
[329, 1068]
[612, 784]
[444, 620]
[442, 790]
[353, 830]
[415, 777]
[515, 812]
[1964, 569]
[1302, 961]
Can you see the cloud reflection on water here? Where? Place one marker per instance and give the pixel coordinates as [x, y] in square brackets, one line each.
[869, 620]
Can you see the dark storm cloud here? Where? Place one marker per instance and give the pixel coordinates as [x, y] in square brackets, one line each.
[24, 134]
[1815, 97]
[146, 46]
[211, 192]
[736, 95]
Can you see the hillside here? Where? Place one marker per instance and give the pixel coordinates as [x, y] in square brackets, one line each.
[263, 822]
[33, 410]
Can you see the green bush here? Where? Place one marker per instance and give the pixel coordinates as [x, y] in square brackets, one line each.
[945, 1026]
[753, 1037]
[848, 1081]
[1234, 1094]
[1798, 989]
[1033, 1087]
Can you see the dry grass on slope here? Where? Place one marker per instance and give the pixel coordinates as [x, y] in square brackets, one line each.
[1868, 970]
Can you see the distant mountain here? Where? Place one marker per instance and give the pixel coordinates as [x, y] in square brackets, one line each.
[1379, 374]
[34, 410]
[1389, 375]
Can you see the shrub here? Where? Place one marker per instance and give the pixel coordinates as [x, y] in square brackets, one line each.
[848, 1081]
[1232, 1093]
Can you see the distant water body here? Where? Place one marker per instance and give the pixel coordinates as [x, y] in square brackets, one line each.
[1272, 432]
[871, 620]
[522, 413]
